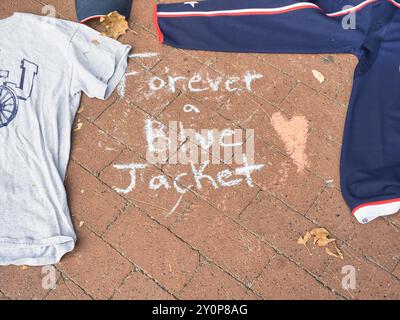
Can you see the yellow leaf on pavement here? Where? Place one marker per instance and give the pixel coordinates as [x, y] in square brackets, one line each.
[115, 24]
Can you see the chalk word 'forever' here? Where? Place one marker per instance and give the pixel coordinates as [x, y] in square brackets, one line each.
[198, 83]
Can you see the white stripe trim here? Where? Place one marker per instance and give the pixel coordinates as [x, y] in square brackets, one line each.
[355, 8]
[371, 212]
[395, 3]
[91, 17]
[263, 10]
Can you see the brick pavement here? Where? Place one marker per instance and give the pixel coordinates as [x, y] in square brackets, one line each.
[235, 242]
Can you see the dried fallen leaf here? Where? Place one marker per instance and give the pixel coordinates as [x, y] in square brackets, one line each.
[115, 24]
[304, 240]
[78, 126]
[338, 251]
[324, 242]
[318, 75]
[328, 251]
[321, 237]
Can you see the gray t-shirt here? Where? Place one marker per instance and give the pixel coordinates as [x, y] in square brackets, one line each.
[45, 63]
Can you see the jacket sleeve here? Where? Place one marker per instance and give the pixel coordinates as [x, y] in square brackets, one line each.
[287, 26]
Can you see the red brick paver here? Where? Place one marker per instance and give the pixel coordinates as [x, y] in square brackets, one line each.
[236, 242]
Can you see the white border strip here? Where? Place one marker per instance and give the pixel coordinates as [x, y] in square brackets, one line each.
[91, 18]
[395, 3]
[297, 6]
[370, 212]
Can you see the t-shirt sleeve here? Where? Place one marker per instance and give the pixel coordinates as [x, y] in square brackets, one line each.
[98, 62]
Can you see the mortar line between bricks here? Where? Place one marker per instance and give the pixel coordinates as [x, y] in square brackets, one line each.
[278, 251]
[93, 173]
[107, 108]
[64, 280]
[344, 241]
[73, 281]
[110, 162]
[162, 59]
[223, 213]
[152, 31]
[249, 203]
[276, 248]
[122, 282]
[299, 265]
[146, 29]
[210, 66]
[371, 260]
[278, 109]
[156, 117]
[5, 296]
[287, 97]
[199, 266]
[102, 182]
[397, 265]
[310, 220]
[69, 289]
[196, 250]
[135, 265]
[273, 195]
[127, 147]
[169, 103]
[57, 283]
[393, 224]
[340, 104]
[333, 275]
[263, 269]
[120, 212]
[208, 259]
[316, 199]
[289, 75]
[206, 66]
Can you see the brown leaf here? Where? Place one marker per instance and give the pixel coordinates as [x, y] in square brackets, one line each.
[79, 126]
[322, 242]
[328, 251]
[304, 240]
[321, 237]
[115, 24]
[338, 251]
